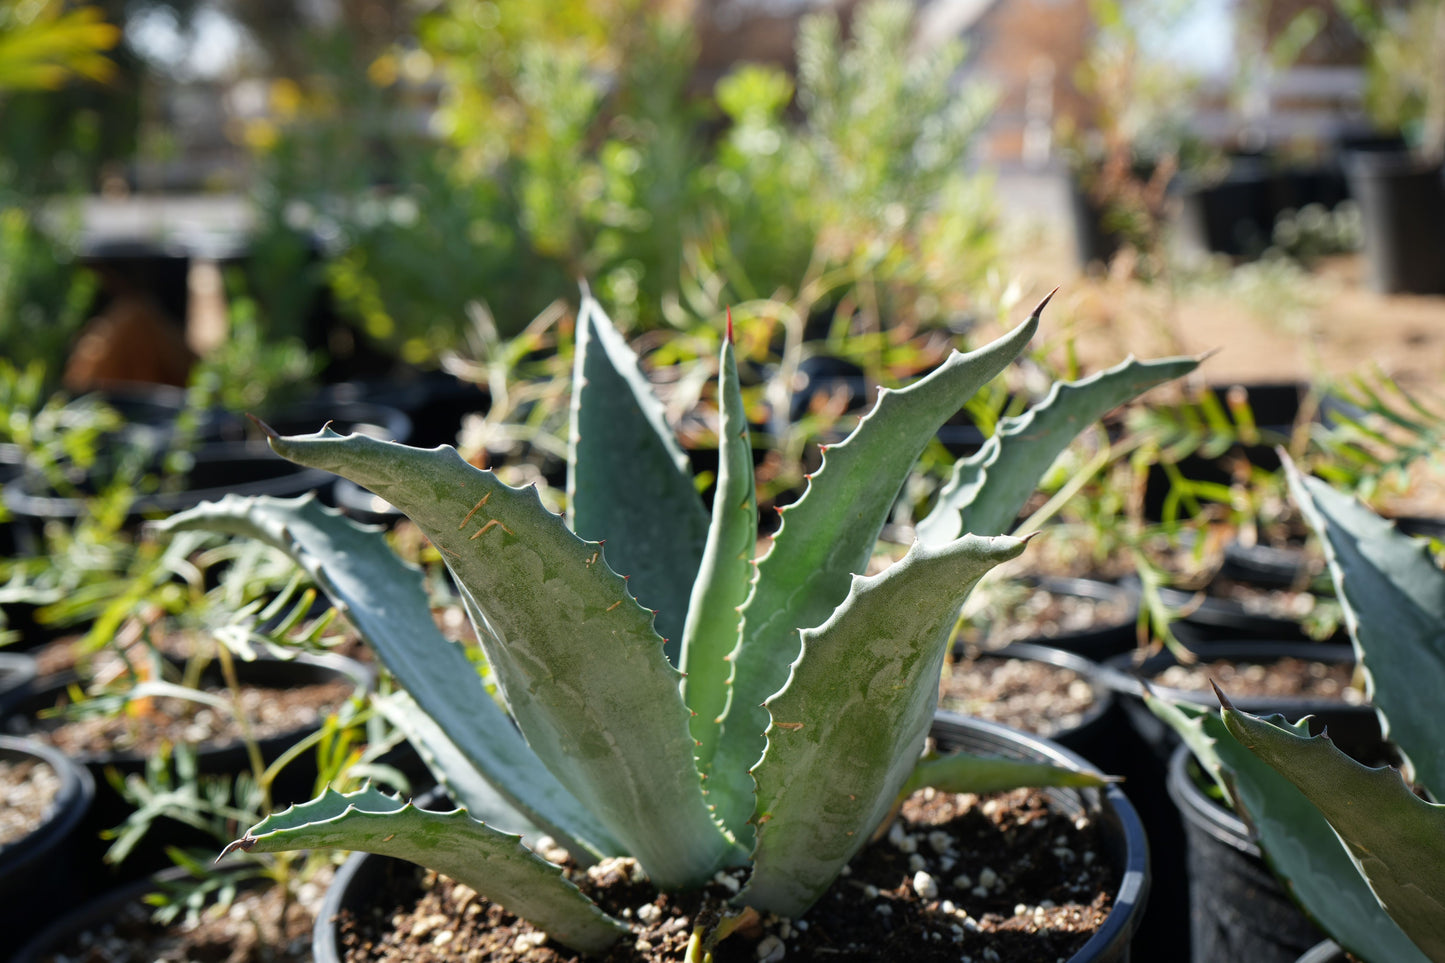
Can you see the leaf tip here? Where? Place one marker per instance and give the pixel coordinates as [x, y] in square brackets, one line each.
[730, 325]
[1038, 311]
[265, 428]
[1224, 702]
[245, 843]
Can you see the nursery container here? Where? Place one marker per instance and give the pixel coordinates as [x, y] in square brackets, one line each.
[40, 871]
[1402, 212]
[364, 875]
[1238, 909]
[294, 784]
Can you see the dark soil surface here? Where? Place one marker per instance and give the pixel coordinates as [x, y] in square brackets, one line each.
[1033, 696]
[145, 723]
[28, 788]
[1288, 677]
[251, 930]
[1001, 878]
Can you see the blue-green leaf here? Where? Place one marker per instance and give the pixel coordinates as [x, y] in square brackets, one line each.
[1393, 594]
[493, 863]
[386, 602]
[829, 534]
[629, 484]
[848, 728]
[989, 488]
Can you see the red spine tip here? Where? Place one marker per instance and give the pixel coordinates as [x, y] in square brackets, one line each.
[730, 324]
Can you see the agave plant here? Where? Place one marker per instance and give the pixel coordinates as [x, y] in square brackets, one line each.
[786, 718]
[1362, 849]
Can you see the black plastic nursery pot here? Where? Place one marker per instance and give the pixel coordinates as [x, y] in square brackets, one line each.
[1237, 908]
[295, 783]
[1272, 566]
[214, 470]
[118, 923]
[1095, 733]
[363, 876]
[1402, 210]
[1103, 625]
[1234, 215]
[17, 677]
[1147, 745]
[1273, 407]
[40, 871]
[1350, 724]
[1254, 612]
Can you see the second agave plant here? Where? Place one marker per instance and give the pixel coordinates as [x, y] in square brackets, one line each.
[659, 694]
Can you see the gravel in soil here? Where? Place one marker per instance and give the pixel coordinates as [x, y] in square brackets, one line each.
[1288, 677]
[145, 724]
[259, 926]
[29, 788]
[1024, 612]
[1023, 693]
[1000, 878]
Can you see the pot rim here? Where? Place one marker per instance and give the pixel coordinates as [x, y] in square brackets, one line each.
[72, 801]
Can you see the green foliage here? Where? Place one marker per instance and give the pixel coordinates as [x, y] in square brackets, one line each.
[1405, 67]
[823, 664]
[577, 145]
[44, 294]
[44, 46]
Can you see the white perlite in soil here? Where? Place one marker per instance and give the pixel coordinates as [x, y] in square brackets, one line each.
[29, 788]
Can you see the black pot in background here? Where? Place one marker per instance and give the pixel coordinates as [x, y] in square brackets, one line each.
[41, 871]
[1103, 638]
[1210, 619]
[1274, 408]
[1272, 566]
[1233, 216]
[1238, 909]
[294, 784]
[1096, 736]
[1402, 212]
[1096, 241]
[1148, 743]
[1349, 724]
[17, 676]
[435, 402]
[216, 470]
[363, 875]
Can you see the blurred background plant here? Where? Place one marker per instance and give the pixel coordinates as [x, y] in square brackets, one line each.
[1405, 68]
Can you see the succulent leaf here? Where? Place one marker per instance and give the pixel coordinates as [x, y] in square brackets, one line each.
[1297, 841]
[574, 654]
[713, 616]
[493, 863]
[989, 488]
[1396, 839]
[968, 772]
[850, 724]
[629, 484]
[386, 602]
[828, 535]
[1393, 594]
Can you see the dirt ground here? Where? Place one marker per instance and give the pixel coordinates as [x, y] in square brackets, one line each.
[1262, 329]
